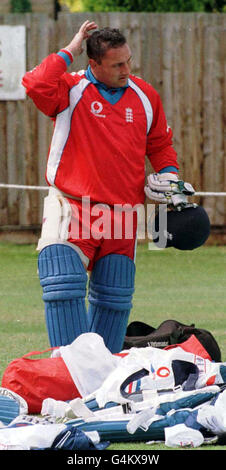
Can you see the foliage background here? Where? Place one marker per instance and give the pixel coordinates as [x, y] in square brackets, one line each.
[160, 6]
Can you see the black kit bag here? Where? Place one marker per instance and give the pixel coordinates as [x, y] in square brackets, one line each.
[169, 332]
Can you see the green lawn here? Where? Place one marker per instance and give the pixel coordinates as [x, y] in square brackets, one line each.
[185, 286]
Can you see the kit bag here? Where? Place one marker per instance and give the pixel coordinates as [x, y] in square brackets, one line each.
[37, 379]
[169, 332]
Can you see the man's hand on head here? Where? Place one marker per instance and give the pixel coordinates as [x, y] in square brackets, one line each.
[75, 46]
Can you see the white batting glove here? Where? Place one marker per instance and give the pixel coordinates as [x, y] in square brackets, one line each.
[168, 189]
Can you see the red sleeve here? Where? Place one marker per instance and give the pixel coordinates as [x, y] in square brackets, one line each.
[46, 85]
[160, 149]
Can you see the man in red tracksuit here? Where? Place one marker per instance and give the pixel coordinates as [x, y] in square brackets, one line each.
[105, 122]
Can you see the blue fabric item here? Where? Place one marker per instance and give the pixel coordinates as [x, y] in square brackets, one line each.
[65, 57]
[110, 298]
[74, 439]
[172, 412]
[112, 95]
[116, 431]
[191, 421]
[169, 169]
[223, 372]
[63, 279]
[190, 401]
[9, 409]
[213, 401]
[93, 405]
[185, 374]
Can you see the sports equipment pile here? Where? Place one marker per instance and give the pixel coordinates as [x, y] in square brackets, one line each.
[143, 394]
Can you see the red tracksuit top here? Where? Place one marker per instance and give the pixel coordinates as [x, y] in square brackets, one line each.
[98, 149]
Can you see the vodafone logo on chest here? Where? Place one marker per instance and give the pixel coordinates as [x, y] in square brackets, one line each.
[97, 108]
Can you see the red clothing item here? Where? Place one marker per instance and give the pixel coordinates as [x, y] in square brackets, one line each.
[100, 230]
[98, 149]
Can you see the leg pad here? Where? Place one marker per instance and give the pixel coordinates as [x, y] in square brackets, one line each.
[63, 279]
[110, 297]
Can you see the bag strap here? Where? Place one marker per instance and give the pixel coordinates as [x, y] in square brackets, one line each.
[37, 353]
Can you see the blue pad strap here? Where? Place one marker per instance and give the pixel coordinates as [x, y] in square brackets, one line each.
[63, 279]
[110, 296]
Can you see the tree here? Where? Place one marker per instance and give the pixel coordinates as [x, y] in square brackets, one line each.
[155, 5]
[20, 6]
[73, 5]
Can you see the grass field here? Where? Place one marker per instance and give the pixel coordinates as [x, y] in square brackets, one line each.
[185, 286]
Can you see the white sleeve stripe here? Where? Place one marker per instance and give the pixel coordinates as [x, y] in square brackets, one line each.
[62, 130]
[145, 101]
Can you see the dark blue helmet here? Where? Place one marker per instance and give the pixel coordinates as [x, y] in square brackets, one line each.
[186, 229]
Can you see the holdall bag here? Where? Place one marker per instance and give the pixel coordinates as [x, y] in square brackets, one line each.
[169, 332]
[37, 379]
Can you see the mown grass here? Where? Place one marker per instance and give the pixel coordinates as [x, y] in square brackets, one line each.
[170, 284]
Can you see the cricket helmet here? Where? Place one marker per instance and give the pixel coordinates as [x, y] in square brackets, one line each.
[187, 229]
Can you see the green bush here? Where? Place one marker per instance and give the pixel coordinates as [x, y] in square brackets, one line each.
[155, 5]
[20, 6]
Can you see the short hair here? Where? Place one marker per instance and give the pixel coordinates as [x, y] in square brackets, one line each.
[100, 41]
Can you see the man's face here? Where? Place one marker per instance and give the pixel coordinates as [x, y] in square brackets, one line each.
[114, 68]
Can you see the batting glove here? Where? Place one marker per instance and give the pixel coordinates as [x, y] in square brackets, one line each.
[168, 189]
